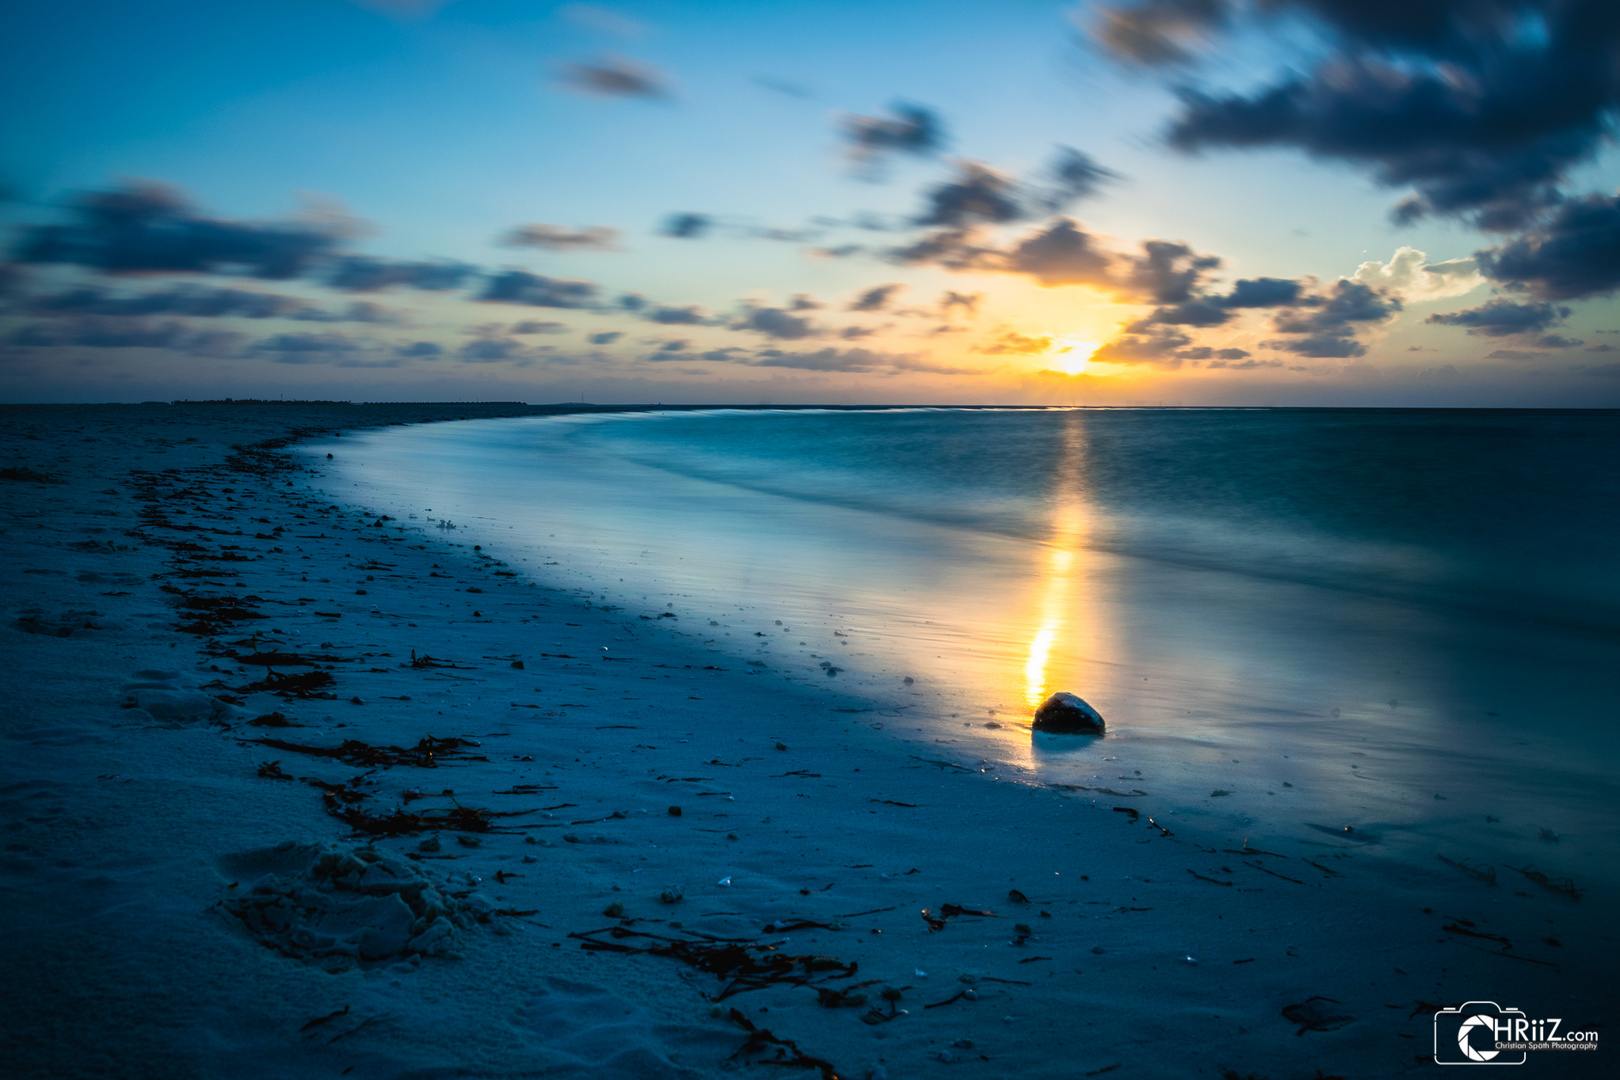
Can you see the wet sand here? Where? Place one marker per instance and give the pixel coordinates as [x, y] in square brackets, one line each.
[454, 851]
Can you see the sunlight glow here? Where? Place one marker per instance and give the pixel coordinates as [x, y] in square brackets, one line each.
[1071, 355]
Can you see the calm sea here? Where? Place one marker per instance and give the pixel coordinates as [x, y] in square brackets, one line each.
[1403, 621]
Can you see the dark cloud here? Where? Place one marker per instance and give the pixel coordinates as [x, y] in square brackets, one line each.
[491, 351]
[1261, 292]
[1499, 318]
[423, 350]
[306, 343]
[103, 333]
[805, 302]
[364, 273]
[1071, 176]
[535, 290]
[1327, 345]
[908, 129]
[951, 299]
[559, 238]
[632, 301]
[954, 249]
[185, 300]
[362, 311]
[691, 315]
[1575, 253]
[1513, 354]
[1062, 253]
[606, 337]
[146, 227]
[1205, 352]
[875, 298]
[1201, 312]
[849, 333]
[1349, 302]
[615, 76]
[776, 323]
[1557, 341]
[978, 195]
[687, 226]
[1168, 272]
[532, 326]
[1482, 107]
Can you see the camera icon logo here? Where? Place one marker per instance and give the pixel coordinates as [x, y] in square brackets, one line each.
[1468, 1034]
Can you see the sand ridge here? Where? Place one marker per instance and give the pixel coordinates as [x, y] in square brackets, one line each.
[210, 658]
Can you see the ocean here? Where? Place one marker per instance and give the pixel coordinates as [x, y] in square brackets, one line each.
[1395, 629]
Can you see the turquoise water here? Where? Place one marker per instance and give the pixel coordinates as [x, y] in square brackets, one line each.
[1403, 621]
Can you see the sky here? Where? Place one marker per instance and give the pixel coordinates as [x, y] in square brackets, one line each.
[1191, 202]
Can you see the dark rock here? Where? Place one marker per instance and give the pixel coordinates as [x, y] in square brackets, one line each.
[1066, 714]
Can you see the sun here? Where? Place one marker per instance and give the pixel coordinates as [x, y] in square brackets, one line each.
[1071, 355]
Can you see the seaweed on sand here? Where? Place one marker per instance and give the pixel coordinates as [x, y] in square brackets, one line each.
[426, 754]
[748, 965]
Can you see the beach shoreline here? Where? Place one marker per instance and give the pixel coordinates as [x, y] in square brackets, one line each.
[158, 554]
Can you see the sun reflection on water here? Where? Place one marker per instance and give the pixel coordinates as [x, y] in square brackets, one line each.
[1058, 623]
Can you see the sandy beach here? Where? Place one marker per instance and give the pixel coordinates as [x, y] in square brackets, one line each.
[294, 788]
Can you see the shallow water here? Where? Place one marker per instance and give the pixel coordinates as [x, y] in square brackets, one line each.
[1401, 621]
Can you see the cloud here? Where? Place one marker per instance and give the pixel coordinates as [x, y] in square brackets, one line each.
[1348, 302]
[558, 238]
[1072, 175]
[606, 337]
[615, 76]
[687, 226]
[1261, 292]
[305, 348]
[601, 19]
[691, 315]
[1557, 341]
[1061, 253]
[147, 227]
[532, 326]
[978, 195]
[192, 301]
[491, 351]
[1014, 343]
[1514, 354]
[1575, 253]
[950, 299]
[831, 360]
[1158, 348]
[776, 323]
[422, 350]
[1481, 108]
[1501, 317]
[876, 298]
[1410, 276]
[1331, 345]
[364, 273]
[536, 290]
[1158, 31]
[1205, 352]
[908, 129]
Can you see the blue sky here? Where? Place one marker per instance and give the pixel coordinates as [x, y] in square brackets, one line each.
[820, 151]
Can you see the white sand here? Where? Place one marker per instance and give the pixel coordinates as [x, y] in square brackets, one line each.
[138, 826]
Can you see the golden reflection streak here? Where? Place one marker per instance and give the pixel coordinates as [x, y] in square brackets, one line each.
[1060, 587]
